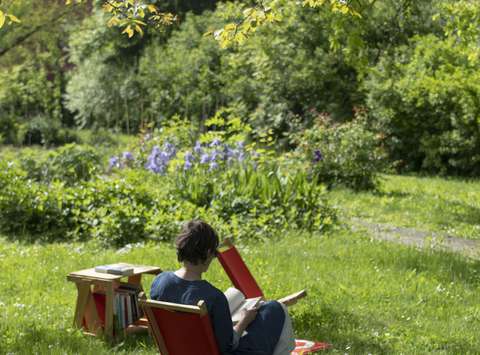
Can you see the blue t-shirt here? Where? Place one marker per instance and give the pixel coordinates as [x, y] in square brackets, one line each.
[262, 334]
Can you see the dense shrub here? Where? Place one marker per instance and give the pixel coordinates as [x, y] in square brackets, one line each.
[346, 154]
[27, 92]
[29, 209]
[101, 138]
[8, 129]
[244, 198]
[47, 132]
[281, 73]
[73, 163]
[182, 76]
[426, 102]
[103, 90]
[118, 210]
[111, 211]
[69, 164]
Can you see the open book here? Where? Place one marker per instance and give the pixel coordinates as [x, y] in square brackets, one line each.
[237, 302]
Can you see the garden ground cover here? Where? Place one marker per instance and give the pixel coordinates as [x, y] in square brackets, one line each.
[425, 203]
[365, 296]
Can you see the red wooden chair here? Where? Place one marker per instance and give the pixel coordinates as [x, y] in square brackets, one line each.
[186, 330]
[241, 277]
[180, 329]
[243, 280]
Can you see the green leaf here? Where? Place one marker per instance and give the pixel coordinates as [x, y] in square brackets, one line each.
[13, 18]
[2, 18]
[129, 31]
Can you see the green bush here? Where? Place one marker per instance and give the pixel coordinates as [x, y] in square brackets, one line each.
[73, 163]
[69, 164]
[280, 73]
[118, 211]
[8, 129]
[111, 211]
[46, 132]
[346, 154]
[101, 138]
[32, 210]
[425, 102]
[237, 187]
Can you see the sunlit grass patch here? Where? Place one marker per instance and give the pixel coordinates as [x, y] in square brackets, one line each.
[430, 204]
[364, 296]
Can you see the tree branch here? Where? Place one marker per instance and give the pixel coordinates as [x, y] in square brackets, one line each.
[25, 36]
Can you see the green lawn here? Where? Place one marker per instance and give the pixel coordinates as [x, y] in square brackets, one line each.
[364, 296]
[428, 204]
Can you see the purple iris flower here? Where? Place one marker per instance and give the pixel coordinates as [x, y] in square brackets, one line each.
[163, 157]
[215, 143]
[153, 167]
[215, 155]
[158, 159]
[317, 156]
[198, 148]
[113, 162]
[187, 165]
[204, 158]
[127, 156]
[230, 153]
[241, 156]
[168, 146]
[213, 165]
[169, 149]
[155, 150]
[188, 160]
[189, 156]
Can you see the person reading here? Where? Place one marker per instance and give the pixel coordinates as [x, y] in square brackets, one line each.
[264, 328]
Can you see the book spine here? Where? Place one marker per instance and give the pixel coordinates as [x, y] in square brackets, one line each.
[134, 309]
[129, 308]
[118, 323]
[122, 308]
[125, 308]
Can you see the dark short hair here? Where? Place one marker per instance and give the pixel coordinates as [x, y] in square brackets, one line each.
[195, 242]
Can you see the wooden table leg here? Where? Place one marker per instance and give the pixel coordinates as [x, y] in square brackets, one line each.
[83, 288]
[135, 279]
[109, 304]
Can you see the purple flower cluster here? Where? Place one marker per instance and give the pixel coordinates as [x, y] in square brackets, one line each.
[317, 156]
[158, 159]
[213, 154]
[127, 156]
[113, 162]
[189, 158]
[120, 161]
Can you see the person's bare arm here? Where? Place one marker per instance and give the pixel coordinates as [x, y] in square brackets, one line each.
[247, 317]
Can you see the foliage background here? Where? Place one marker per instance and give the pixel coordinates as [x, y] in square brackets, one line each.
[410, 65]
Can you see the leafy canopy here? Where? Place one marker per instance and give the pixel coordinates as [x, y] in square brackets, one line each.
[132, 16]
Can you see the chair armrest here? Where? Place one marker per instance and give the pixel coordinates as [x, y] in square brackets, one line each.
[290, 300]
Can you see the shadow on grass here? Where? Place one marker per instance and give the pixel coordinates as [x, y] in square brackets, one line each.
[396, 194]
[461, 212]
[47, 341]
[445, 266]
[455, 346]
[341, 329]
[451, 211]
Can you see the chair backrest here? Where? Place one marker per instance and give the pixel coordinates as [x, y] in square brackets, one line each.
[180, 329]
[237, 271]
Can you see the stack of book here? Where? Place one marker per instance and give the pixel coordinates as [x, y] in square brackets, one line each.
[121, 269]
[126, 308]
